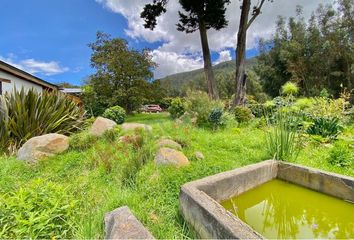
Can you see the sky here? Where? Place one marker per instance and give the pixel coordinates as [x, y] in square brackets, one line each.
[49, 38]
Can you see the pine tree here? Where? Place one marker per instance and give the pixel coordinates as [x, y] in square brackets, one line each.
[199, 15]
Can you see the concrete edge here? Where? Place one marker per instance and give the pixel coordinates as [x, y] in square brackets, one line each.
[199, 199]
[333, 184]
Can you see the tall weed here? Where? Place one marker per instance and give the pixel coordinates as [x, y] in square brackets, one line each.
[283, 140]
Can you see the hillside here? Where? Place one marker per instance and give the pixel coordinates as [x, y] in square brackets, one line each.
[176, 82]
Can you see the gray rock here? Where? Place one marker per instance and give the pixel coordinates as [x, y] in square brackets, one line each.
[199, 155]
[169, 156]
[164, 142]
[122, 224]
[43, 146]
[101, 125]
[133, 126]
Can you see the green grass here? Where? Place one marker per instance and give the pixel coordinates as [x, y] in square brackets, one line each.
[94, 176]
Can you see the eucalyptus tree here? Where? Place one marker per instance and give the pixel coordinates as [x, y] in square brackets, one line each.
[246, 20]
[317, 54]
[197, 15]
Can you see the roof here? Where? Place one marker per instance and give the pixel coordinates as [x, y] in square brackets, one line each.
[71, 90]
[25, 75]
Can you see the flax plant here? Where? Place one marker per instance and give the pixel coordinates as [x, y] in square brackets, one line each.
[25, 114]
[283, 139]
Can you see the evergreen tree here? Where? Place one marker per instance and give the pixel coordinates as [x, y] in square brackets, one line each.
[316, 55]
[198, 15]
[122, 74]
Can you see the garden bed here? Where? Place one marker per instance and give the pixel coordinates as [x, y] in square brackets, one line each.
[94, 177]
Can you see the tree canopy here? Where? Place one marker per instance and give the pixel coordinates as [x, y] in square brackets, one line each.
[196, 15]
[317, 54]
[122, 75]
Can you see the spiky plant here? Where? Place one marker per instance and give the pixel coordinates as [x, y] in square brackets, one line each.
[283, 141]
[25, 114]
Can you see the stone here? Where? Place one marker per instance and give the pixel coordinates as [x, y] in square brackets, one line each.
[101, 125]
[134, 126]
[122, 224]
[169, 156]
[43, 146]
[199, 155]
[164, 142]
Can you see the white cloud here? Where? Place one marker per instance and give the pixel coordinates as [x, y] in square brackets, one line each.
[171, 62]
[183, 44]
[224, 56]
[33, 66]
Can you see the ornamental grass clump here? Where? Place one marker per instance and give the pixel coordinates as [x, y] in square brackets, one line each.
[26, 114]
[283, 140]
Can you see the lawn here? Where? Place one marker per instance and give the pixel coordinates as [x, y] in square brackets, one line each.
[103, 175]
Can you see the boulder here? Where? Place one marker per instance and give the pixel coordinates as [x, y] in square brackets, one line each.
[122, 224]
[199, 155]
[169, 156]
[164, 142]
[43, 146]
[134, 126]
[101, 125]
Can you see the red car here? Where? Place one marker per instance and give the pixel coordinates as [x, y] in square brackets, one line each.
[151, 108]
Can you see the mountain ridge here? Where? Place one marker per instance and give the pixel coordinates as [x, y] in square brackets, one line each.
[179, 80]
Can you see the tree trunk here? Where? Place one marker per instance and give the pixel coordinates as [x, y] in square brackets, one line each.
[208, 70]
[241, 78]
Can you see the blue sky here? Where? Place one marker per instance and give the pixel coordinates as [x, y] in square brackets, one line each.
[49, 38]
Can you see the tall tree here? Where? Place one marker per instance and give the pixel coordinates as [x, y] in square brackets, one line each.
[198, 15]
[245, 23]
[316, 54]
[122, 76]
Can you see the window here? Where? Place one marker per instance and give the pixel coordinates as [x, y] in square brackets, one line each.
[1, 81]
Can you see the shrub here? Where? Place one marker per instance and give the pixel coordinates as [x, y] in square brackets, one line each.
[82, 141]
[324, 93]
[215, 117]
[25, 114]
[228, 119]
[303, 103]
[200, 105]
[177, 108]
[115, 113]
[330, 108]
[41, 210]
[278, 102]
[257, 109]
[242, 114]
[289, 89]
[325, 127]
[342, 154]
[283, 140]
[165, 103]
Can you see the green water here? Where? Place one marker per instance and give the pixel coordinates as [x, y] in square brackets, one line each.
[278, 209]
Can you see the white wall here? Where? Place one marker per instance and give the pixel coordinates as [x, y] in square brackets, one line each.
[18, 82]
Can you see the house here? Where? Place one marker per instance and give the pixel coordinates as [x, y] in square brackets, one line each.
[12, 77]
[74, 94]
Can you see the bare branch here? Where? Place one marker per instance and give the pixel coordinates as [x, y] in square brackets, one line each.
[255, 13]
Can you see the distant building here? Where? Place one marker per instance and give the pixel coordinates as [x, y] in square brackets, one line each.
[12, 77]
[73, 93]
